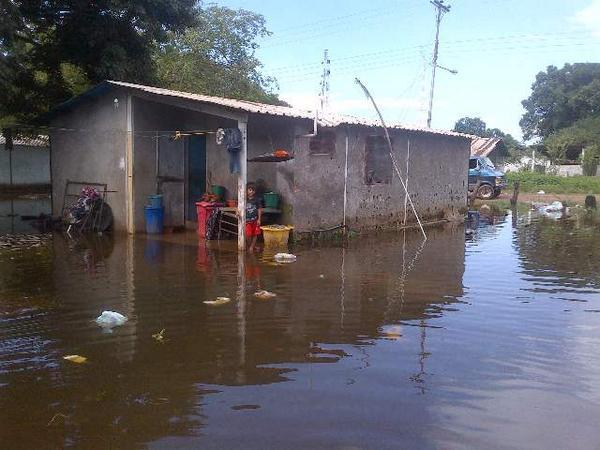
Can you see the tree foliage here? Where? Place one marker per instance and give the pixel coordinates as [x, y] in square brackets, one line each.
[217, 56]
[470, 125]
[477, 127]
[561, 97]
[583, 134]
[52, 50]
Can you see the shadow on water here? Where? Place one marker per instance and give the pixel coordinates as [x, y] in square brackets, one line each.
[353, 335]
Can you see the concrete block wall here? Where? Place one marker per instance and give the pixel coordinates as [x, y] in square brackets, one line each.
[30, 165]
[88, 144]
[438, 170]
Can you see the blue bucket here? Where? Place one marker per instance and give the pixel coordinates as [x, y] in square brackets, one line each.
[154, 219]
[155, 200]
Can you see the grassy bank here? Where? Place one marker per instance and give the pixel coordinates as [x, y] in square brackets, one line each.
[553, 184]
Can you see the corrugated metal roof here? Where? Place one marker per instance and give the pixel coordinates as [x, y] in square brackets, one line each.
[327, 120]
[27, 141]
[481, 146]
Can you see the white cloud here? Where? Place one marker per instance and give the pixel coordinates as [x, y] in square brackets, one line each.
[589, 17]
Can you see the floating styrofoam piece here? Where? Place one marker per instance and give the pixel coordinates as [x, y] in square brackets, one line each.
[264, 295]
[110, 319]
[218, 301]
[284, 257]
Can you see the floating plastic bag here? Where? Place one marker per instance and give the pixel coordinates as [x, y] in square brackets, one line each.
[284, 257]
[554, 207]
[110, 319]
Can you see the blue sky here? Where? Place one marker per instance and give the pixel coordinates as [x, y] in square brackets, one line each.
[497, 47]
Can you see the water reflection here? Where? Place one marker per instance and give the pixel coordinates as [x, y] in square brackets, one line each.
[13, 210]
[389, 338]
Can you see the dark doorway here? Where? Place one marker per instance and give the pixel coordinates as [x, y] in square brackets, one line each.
[196, 176]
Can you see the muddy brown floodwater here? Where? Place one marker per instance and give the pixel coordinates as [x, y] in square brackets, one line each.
[492, 342]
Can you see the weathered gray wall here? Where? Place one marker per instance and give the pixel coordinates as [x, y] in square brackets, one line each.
[437, 181]
[30, 165]
[88, 144]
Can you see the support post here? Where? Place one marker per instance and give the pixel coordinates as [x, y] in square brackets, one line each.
[515, 194]
[157, 161]
[129, 203]
[8, 145]
[242, 181]
[441, 9]
[345, 183]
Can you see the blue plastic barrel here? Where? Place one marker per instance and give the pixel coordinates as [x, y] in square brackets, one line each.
[155, 200]
[154, 219]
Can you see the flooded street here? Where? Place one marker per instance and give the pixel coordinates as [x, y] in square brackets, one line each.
[388, 343]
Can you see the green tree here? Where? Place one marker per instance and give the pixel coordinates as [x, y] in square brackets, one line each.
[583, 134]
[54, 49]
[470, 125]
[477, 127]
[561, 97]
[217, 56]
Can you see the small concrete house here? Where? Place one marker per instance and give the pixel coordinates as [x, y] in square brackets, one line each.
[140, 139]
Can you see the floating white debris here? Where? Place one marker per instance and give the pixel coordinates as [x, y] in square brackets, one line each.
[217, 301]
[553, 207]
[541, 193]
[284, 257]
[264, 295]
[110, 319]
[78, 359]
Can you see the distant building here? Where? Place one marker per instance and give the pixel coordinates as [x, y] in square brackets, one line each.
[492, 148]
[139, 139]
[28, 164]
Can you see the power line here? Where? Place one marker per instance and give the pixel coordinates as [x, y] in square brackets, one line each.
[306, 35]
[392, 62]
[308, 28]
[296, 69]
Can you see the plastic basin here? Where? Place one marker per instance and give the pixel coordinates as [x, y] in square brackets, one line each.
[276, 236]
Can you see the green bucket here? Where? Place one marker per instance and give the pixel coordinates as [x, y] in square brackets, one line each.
[271, 200]
[219, 191]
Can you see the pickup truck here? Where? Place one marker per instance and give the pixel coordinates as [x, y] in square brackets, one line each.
[491, 181]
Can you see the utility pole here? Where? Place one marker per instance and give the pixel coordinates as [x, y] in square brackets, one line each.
[441, 9]
[324, 95]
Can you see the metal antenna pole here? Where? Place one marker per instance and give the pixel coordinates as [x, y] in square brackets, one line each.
[441, 9]
[324, 96]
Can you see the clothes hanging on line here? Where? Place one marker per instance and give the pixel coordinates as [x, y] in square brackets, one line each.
[232, 139]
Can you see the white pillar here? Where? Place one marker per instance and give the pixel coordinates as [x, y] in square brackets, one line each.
[129, 196]
[242, 181]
